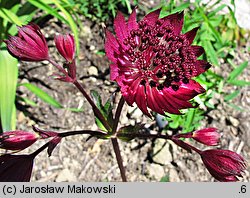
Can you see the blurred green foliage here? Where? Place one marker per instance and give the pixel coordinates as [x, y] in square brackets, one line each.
[100, 10]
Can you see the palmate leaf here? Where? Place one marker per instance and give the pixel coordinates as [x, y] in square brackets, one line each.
[105, 109]
[8, 81]
[126, 132]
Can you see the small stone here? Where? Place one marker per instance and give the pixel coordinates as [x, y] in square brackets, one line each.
[161, 153]
[156, 171]
[135, 112]
[234, 121]
[86, 31]
[21, 117]
[92, 48]
[173, 175]
[93, 79]
[234, 130]
[93, 71]
[161, 121]
[66, 176]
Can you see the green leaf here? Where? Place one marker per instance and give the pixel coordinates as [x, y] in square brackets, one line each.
[42, 94]
[189, 121]
[77, 110]
[106, 110]
[212, 56]
[8, 82]
[208, 23]
[236, 107]
[26, 101]
[237, 71]
[215, 22]
[47, 8]
[165, 178]
[205, 35]
[126, 133]
[10, 16]
[232, 95]
[101, 53]
[215, 11]
[97, 98]
[175, 123]
[240, 83]
[100, 125]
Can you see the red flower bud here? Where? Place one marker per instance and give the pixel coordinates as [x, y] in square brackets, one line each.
[29, 45]
[17, 140]
[208, 136]
[223, 165]
[65, 44]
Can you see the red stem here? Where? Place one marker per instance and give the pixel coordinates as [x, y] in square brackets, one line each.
[39, 150]
[115, 141]
[59, 67]
[97, 112]
[119, 158]
[117, 115]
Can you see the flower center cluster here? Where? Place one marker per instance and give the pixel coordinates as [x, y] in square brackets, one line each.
[162, 58]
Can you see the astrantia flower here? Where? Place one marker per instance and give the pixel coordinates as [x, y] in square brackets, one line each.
[223, 165]
[16, 168]
[65, 45]
[17, 140]
[207, 136]
[29, 45]
[153, 62]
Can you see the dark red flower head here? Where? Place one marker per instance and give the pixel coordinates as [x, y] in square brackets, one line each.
[65, 44]
[16, 168]
[29, 45]
[223, 165]
[17, 140]
[154, 63]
